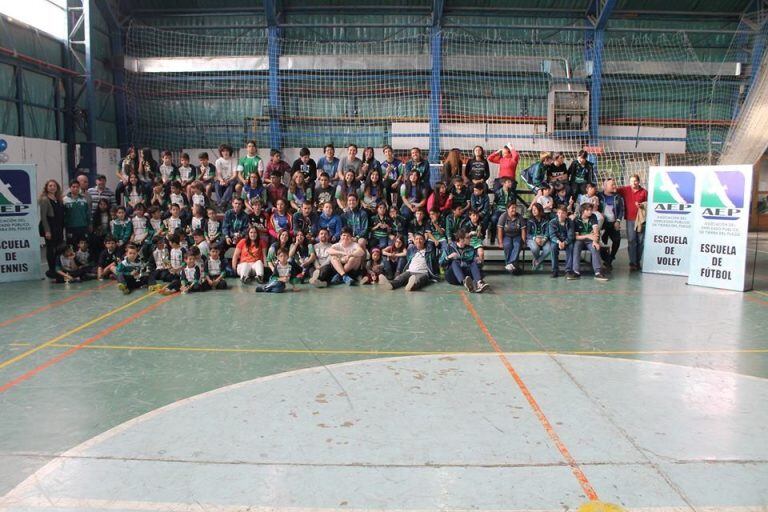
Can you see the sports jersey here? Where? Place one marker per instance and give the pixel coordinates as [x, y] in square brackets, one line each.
[584, 227]
[187, 173]
[178, 199]
[212, 229]
[502, 199]
[172, 224]
[121, 229]
[168, 172]
[213, 267]
[77, 211]
[380, 232]
[191, 275]
[176, 258]
[162, 259]
[128, 267]
[140, 227]
[247, 165]
[82, 257]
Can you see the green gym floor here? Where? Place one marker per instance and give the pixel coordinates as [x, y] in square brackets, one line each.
[540, 395]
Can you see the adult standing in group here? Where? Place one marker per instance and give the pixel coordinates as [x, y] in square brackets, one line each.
[52, 222]
[452, 166]
[507, 159]
[634, 196]
[101, 191]
[350, 162]
[82, 180]
[477, 169]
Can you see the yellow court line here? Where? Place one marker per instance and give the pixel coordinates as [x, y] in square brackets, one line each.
[53, 341]
[169, 348]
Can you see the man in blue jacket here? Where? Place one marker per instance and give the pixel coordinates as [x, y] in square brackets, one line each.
[612, 208]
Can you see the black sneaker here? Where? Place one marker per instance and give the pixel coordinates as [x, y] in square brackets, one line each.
[600, 277]
[570, 276]
[469, 284]
[259, 289]
[555, 274]
[481, 286]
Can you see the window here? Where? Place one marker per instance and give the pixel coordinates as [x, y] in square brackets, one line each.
[49, 16]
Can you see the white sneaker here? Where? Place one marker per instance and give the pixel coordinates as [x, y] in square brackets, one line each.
[315, 276]
[411, 283]
[385, 282]
[481, 285]
[510, 267]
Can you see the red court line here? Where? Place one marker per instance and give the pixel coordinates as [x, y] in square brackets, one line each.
[589, 491]
[52, 305]
[95, 337]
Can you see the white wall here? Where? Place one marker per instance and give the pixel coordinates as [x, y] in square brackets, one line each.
[50, 156]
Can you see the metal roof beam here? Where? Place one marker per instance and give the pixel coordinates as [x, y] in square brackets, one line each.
[599, 11]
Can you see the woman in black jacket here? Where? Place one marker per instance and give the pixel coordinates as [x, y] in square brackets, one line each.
[52, 223]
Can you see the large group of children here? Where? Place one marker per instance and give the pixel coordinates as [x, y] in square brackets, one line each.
[178, 227]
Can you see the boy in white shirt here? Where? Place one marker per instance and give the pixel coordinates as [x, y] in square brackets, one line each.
[226, 175]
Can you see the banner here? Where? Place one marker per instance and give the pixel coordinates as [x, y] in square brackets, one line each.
[721, 227]
[19, 235]
[669, 222]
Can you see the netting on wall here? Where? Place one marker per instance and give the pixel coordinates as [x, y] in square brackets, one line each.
[656, 95]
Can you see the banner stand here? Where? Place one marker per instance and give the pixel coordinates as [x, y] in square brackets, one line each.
[19, 220]
[719, 254]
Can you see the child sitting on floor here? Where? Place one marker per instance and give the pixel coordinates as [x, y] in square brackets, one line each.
[280, 277]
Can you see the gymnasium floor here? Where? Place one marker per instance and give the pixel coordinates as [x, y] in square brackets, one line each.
[541, 395]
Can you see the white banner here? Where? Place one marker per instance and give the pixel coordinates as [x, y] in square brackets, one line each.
[19, 234]
[669, 224]
[721, 227]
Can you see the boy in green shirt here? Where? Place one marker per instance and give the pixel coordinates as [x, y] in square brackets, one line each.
[77, 213]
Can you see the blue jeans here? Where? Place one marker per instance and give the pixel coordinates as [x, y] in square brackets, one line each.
[554, 256]
[463, 269]
[406, 213]
[392, 269]
[512, 247]
[580, 245]
[539, 252]
[225, 194]
[493, 222]
[635, 243]
[274, 286]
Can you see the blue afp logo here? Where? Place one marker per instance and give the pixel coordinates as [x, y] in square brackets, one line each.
[15, 194]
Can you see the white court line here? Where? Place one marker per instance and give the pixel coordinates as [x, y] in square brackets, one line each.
[154, 506]
[16, 496]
